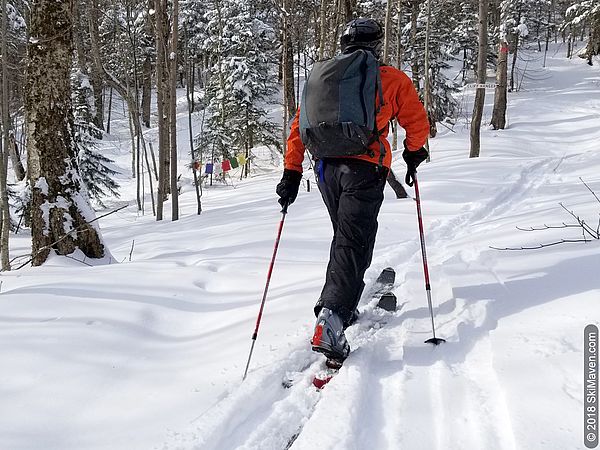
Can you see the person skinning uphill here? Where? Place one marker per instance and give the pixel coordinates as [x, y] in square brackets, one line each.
[347, 104]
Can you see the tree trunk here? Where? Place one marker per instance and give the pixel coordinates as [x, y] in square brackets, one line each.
[15, 159]
[349, 9]
[593, 45]
[481, 78]
[387, 30]
[146, 91]
[97, 74]
[514, 62]
[399, 46]
[322, 28]
[499, 113]
[173, 112]
[59, 205]
[338, 25]
[427, 81]
[9, 145]
[189, 91]
[284, 75]
[5, 216]
[414, 63]
[147, 69]
[162, 85]
[289, 73]
[289, 96]
[78, 39]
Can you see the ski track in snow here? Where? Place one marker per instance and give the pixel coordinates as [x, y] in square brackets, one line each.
[408, 385]
[407, 400]
[440, 398]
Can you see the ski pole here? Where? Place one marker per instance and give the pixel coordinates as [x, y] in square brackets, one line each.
[264, 297]
[434, 340]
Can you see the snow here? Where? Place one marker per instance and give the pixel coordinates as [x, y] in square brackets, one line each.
[149, 352]
[42, 185]
[522, 29]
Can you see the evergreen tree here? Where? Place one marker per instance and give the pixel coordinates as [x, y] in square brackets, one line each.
[94, 168]
[580, 14]
[463, 36]
[443, 104]
[242, 80]
[514, 17]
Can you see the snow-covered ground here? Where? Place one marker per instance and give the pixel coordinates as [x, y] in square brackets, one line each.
[148, 352]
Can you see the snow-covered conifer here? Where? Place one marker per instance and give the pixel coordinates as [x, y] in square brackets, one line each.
[583, 13]
[94, 168]
[242, 80]
[443, 105]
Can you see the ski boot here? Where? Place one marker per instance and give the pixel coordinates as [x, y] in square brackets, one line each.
[329, 337]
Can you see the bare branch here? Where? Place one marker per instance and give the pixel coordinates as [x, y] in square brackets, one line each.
[78, 260]
[585, 230]
[131, 251]
[590, 189]
[549, 227]
[584, 225]
[562, 241]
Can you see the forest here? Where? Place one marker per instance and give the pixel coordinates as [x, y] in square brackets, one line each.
[239, 68]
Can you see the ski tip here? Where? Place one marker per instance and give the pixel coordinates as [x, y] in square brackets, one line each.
[388, 302]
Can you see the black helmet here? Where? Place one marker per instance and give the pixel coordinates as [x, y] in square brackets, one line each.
[362, 33]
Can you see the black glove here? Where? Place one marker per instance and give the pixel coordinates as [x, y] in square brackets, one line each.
[413, 159]
[287, 189]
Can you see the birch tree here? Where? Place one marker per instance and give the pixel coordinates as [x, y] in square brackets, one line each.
[481, 78]
[61, 215]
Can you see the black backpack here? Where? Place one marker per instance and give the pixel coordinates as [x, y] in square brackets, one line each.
[340, 104]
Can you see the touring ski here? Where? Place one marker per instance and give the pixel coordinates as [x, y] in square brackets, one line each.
[382, 290]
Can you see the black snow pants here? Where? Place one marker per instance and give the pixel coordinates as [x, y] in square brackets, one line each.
[352, 190]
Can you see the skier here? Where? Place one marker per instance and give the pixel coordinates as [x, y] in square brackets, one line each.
[351, 182]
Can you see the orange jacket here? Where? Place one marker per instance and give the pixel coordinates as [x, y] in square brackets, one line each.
[400, 101]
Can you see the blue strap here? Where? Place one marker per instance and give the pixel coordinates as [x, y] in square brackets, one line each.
[321, 170]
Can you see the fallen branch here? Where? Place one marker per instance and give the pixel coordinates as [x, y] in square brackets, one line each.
[581, 223]
[562, 241]
[68, 234]
[78, 260]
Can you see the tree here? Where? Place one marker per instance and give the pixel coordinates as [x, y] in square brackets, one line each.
[498, 121]
[12, 38]
[481, 79]
[95, 170]
[436, 88]
[61, 214]
[162, 99]
[587, 11]
[242, 80]
[463, 36]
[5, 217]
[173, 109]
